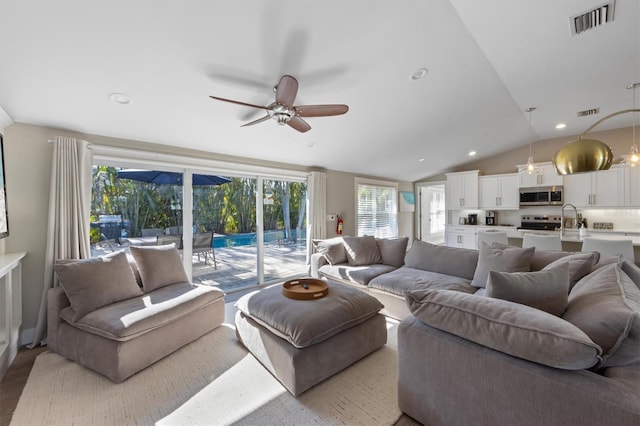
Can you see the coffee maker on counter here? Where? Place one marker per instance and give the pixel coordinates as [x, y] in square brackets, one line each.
[472, 219]
[490, 218]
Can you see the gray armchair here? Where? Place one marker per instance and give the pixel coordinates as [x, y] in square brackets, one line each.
[203, 245]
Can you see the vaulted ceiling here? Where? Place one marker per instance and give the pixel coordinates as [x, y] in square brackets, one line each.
[487, 61]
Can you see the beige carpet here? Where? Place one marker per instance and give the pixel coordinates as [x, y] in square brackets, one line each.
[212, 381]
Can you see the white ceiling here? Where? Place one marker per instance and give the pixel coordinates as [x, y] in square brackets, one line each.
[488, 60]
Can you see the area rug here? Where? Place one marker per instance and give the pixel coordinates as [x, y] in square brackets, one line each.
[212, 381]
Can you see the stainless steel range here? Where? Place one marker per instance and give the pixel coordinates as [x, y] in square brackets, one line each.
[540, 222]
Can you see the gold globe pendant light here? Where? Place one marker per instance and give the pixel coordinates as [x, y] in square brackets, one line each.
[589, 155]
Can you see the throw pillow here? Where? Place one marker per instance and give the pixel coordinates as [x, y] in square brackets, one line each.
[159, 266]
[500, 258]
[459, 262]
[606, 306]
[542, 258]
[93, 283]
[393, 250]
[332, 250]
[580, 264]
[547, 290]
[504, 326]
[361, 250]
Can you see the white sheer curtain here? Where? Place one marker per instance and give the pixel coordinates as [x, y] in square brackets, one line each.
[317, 199]
[69, 214]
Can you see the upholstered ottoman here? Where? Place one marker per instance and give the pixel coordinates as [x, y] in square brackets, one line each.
[303, 342]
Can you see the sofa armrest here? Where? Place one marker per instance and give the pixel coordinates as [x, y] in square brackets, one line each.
[444, 379]
[317, 260]
[56, 301]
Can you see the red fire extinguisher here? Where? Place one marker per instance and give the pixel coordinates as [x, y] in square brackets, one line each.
[340, 225]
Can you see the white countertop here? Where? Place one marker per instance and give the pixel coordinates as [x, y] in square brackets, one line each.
[571, 235]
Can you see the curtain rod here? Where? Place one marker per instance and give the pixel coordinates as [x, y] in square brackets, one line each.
[90, 145]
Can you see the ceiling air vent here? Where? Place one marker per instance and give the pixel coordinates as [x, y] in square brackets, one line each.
[592, 18]
[588, 112]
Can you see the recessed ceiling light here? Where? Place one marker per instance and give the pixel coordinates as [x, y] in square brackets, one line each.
[472, 153]
[419, 73]
[421, 160]
[119, 98]
[311, 144]
[561, 126]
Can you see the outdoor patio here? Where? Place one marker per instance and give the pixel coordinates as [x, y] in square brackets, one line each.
[236, 266]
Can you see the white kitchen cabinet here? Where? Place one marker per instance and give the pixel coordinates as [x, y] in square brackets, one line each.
[604, 188]
[460, 236]
[499, 192]
[547, 176]
[632, 186]
[462, 190]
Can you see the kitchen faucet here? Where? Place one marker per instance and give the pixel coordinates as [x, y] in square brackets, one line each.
[575, 211]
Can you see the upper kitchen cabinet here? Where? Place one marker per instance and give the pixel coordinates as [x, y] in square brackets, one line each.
[499, 192]
[604, 188]
[632, 187]
[547, 176]
[462, 190]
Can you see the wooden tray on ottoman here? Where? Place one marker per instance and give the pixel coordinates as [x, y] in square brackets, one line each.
[305, 289]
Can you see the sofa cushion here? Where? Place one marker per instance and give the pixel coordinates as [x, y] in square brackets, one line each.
[92, 283]
[332, 249]
[133, 317]
[507, 327]
[632, 270]
[159, 266]
[361, 275]
[580, 264]
[606, 306]
[361, 250]
[401, 280]
[306, 322]
[547, 290]
[458, 262]
[393, 250]
[498, 257]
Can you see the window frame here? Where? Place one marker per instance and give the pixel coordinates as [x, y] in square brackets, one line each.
[393, 222]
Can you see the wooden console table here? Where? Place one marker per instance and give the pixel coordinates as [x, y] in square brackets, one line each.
[10, 307]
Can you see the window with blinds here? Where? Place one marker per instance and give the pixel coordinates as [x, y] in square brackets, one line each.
[376, 208]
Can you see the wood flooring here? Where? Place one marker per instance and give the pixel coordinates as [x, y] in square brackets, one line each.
[13, 382]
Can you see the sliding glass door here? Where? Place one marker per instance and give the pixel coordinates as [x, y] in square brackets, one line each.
[232, 231]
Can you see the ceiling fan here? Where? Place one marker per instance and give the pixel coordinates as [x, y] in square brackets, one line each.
[283, 110]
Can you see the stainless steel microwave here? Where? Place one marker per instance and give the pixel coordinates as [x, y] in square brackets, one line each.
[541, 196]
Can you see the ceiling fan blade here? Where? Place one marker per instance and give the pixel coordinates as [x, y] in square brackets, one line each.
[320, 110]
[286, 91]
[259, 120]
[240, 103]
[299, 124]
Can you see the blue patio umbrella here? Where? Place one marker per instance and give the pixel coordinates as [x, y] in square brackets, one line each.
[170, 178]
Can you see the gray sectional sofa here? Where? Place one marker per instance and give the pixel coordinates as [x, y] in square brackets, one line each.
[117, 315]
[504, 335]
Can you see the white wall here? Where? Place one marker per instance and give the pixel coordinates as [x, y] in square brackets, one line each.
[28, 161]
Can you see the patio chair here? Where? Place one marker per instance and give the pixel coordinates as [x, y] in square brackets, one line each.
[203, 244]
[168, 239]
